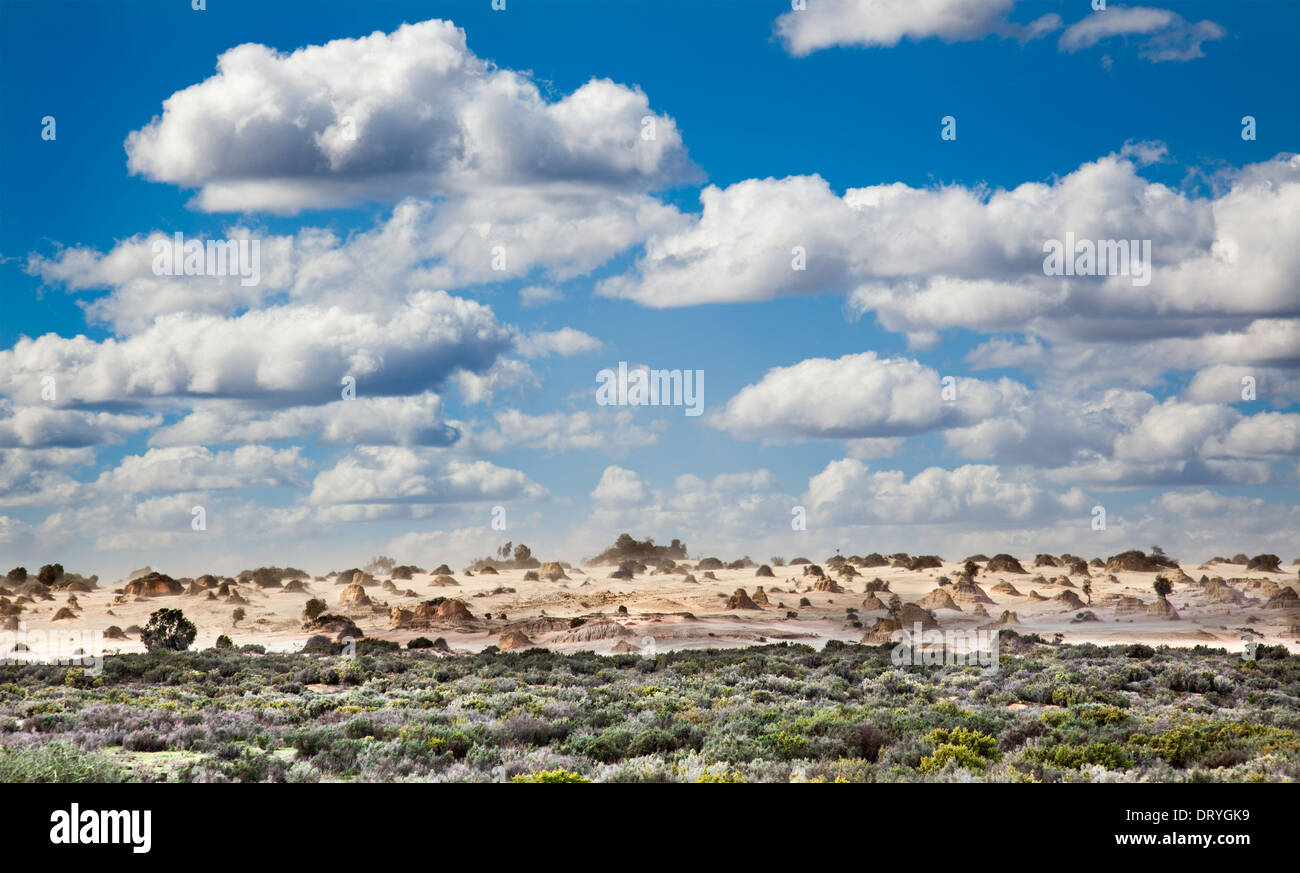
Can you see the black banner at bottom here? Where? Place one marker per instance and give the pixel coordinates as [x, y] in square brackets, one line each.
[183, 822]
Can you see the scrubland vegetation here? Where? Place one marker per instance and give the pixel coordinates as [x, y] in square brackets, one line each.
[772, 713]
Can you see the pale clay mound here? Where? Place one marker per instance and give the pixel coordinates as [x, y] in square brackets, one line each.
[678, 612]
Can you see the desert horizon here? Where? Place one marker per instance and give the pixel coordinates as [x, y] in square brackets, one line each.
[449, 392]
[636, 595]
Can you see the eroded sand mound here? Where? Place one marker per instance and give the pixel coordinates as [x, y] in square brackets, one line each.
[1125, 605]
[1069, 599]
[152, 585]
[354, 595]
[881, 632]
[827, 584]
[872, 602]
[911, 613]
[511, 640]
[741, 600]
[1162, 608]
[1221, 592]
[1005, 588]
[760, 597]
[939, 598]
[969, 592]
[1133, 562]
[1284, 599]
[440, 609]
[551, 571]
[1003, 563]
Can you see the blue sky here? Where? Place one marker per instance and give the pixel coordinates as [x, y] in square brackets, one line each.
[1124, 123]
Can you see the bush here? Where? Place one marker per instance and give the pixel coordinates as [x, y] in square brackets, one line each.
[319, 645]
[557, 775]
[970, 749]
[370, 646]
[225, 642]
[168, 630]
[420, 643]
[1268, 563]
[314, 608]
[1072, 757]
[144, 741]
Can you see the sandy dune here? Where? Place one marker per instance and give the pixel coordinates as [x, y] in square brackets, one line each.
[661, 611]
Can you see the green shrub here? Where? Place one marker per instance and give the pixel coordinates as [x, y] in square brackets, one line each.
[1072, 757]
[970, 749]
[168, 630]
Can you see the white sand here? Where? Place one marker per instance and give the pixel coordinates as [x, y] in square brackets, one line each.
[680, 615]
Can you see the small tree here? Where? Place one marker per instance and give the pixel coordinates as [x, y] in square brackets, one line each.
[970, 568]
[49, 574]
[238, 615]
[894, 605]
[1087, 590]
[504, 551]
[522, 553]
[168, 630]
[313, 608]
[17, 575]
[1162, 587]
